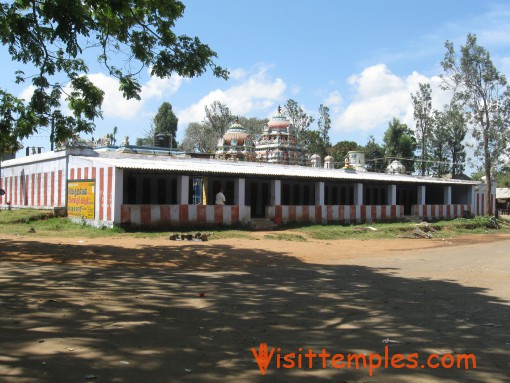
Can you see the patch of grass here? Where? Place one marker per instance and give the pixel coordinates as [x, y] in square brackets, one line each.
[23, 216]
[19, 222]
[442, 229]
[286, 237]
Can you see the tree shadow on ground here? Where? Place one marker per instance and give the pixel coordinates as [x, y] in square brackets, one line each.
[137, 315]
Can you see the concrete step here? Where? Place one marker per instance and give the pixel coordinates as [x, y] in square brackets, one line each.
[261, 224]
[412, 218]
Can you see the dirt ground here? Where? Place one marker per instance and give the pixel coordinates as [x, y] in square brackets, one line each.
[154, 310]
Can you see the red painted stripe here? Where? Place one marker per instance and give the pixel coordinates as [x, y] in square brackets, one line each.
[15, 196]
[38, 189]
[52, 186]
[235, 214]
[483, 205]
[164, 212]
[383, 212]
[329, 213]
[25, 200]
[93, 173]
[45, 189]
[218, 214]
[125, 214]
[341, 213]
[109, 195]
[292, 213]
[101, 194]
[184, 214]
[318, 214]
[79, 174]
[71, 177]
[278, 214]
[60, 188]
[306, 214]
[145, 213]
[440, 211]
[373, 212]
[352, 213]
[201, 213]
[393, 212]
[86, 173]
[363, 213]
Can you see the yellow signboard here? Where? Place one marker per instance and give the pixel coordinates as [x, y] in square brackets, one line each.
[81, 199]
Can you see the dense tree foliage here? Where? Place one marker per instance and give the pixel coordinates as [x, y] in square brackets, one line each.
[447, 142]
[340, 149]
[484, 94]
[299, 119]
[202, 137]
[374, 156]
[400, 143]
[49, 37]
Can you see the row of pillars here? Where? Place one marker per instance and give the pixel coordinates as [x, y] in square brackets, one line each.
[276, 190]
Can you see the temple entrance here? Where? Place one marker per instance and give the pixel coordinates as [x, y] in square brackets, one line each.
[258, 197]
[407, 196]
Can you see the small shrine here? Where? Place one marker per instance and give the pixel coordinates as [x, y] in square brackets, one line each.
[278, 143]
[236, 144]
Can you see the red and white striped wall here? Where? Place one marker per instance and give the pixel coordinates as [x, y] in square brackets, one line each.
[440, 211]
[148, 215]
[480, 202]
[32, 186]
[334, 213]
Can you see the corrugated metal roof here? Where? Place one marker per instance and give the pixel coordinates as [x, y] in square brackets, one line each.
[502, 193]
[211, 166]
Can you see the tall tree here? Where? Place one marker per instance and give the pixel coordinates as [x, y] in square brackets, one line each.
[422, 104]
[219, 117]
[165, 121]
[449, 131]
[202, 137]
[313, 143]
[298, 117]
[199, 138]
[324, 124]
[374, 156]
[439, 148]
[485, 95]
[48, 38]
[254, 126]
[400, 143]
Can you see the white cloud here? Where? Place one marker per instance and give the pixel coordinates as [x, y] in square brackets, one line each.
[237, 74]
[334, 99]
[114, 104]
[160, 87]
[380, 95]
[27, 93]
[255, 93]
[295, 90]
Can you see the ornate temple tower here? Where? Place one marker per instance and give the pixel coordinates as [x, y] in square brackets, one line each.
[236, 144]
[278, 143]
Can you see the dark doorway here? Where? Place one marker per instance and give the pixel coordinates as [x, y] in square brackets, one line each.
[407, 196]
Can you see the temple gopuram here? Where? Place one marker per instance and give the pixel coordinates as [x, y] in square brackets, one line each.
[278, 143]
[236, 145]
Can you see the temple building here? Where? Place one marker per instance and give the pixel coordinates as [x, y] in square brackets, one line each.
[278, 143]
[236, 145]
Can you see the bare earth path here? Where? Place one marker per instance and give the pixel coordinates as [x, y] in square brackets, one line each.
[131, 310]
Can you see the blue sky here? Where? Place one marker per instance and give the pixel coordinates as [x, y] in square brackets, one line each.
[363, 59]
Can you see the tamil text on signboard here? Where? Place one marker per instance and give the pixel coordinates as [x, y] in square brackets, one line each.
[80, 199]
